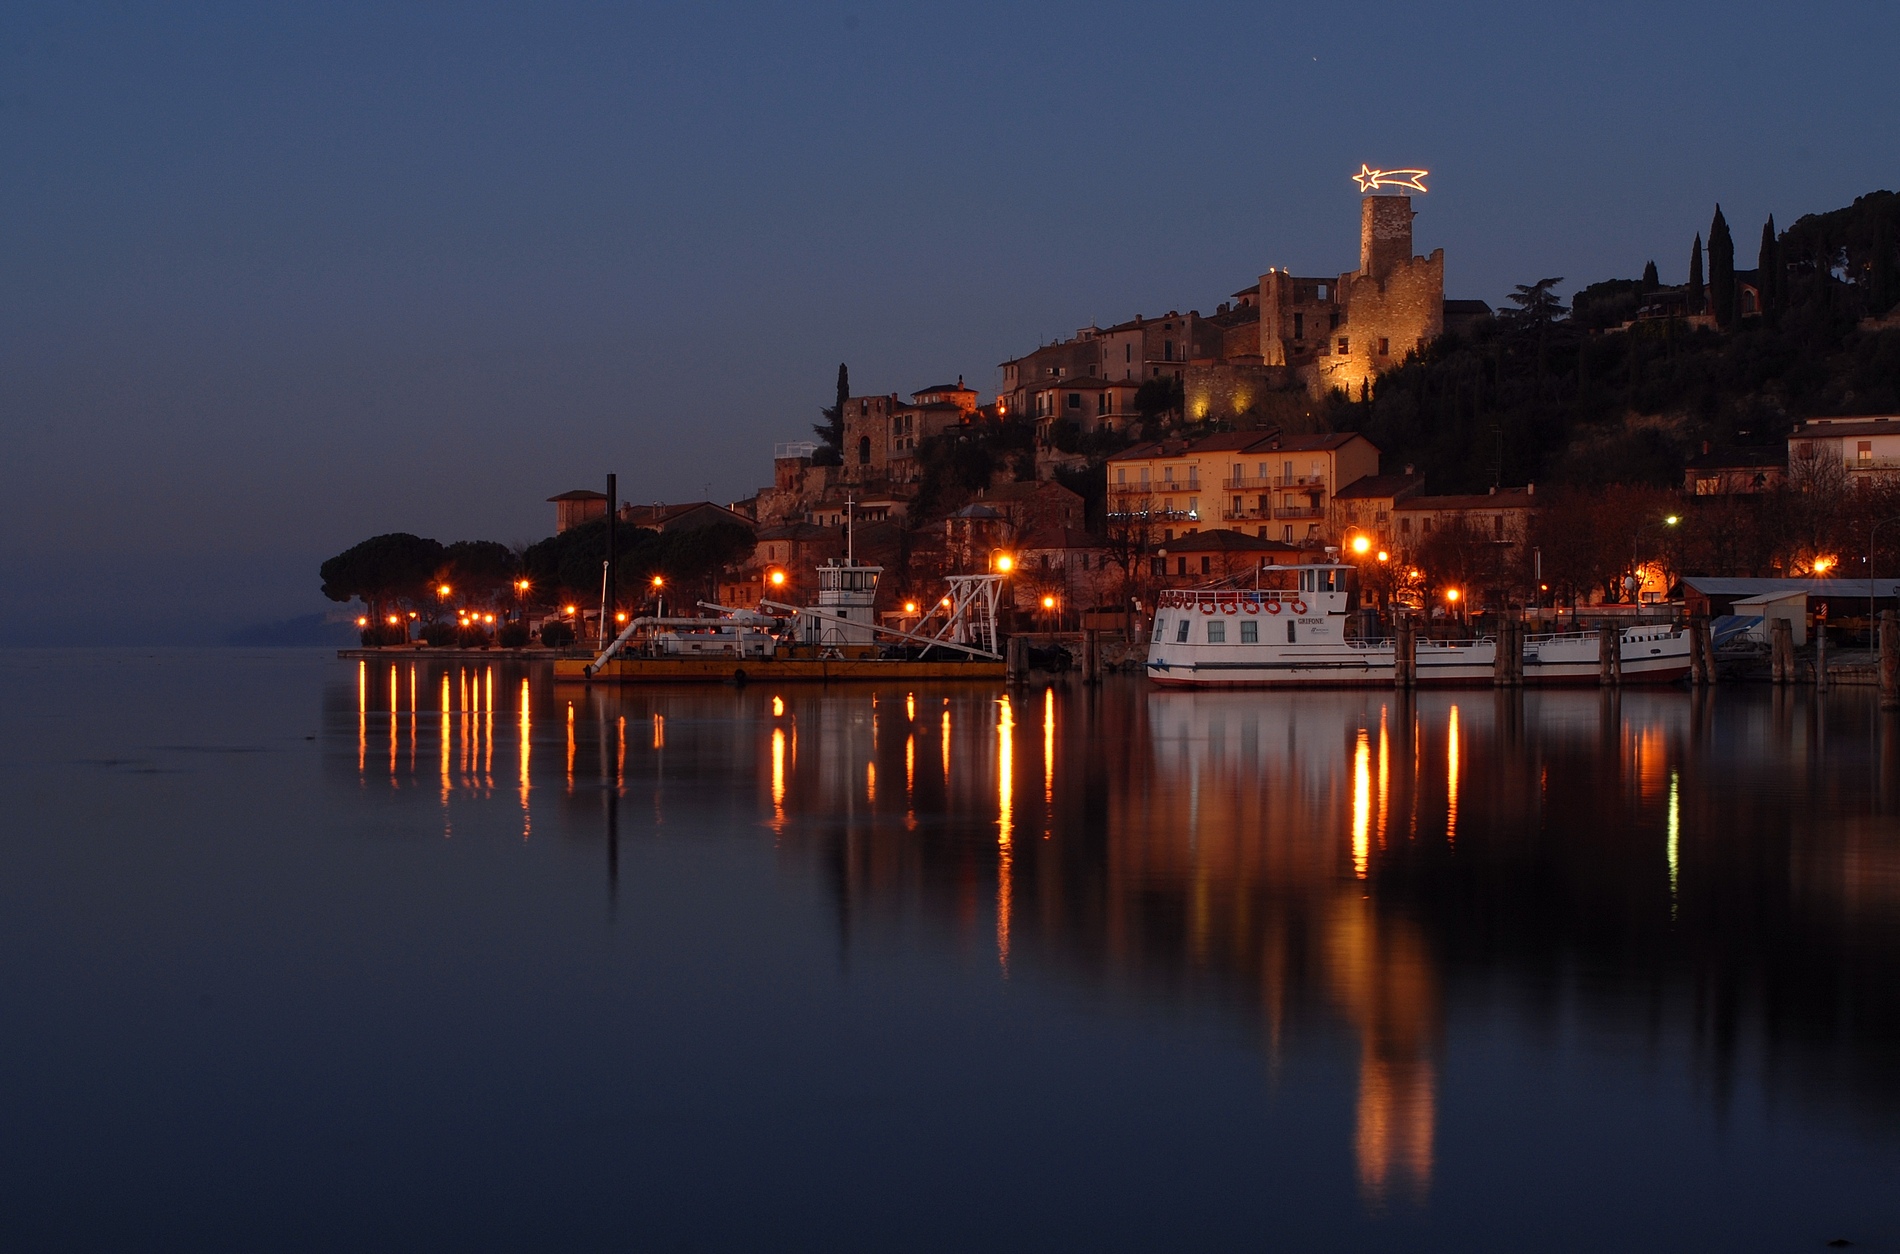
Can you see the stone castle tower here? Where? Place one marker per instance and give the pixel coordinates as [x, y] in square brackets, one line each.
[1394, 303]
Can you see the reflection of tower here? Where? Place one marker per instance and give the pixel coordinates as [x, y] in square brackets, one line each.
[1382, 978]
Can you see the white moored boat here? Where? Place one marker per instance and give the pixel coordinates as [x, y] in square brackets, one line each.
[1292, 632]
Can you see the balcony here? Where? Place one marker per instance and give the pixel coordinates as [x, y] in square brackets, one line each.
[1299, 511]
[1266, 483]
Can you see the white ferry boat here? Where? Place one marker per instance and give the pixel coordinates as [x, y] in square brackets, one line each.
[1292, 632]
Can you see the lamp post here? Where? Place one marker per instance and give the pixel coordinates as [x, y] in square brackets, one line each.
[1636, 590]
[659, 596]
[1871, 635]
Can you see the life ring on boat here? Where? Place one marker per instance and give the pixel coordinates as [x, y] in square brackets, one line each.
[1273, 607]
[1230, 607]
[1251, 605]
[1207, 607]
[1299, 607]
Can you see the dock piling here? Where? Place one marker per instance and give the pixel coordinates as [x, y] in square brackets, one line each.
[1820, 657]
[1889, 660]
[1609, 655]
[1780, 651]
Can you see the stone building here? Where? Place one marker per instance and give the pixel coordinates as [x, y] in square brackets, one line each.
[1284, 336]
[571, 509]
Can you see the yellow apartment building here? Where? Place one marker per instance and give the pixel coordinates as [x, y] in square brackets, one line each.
[1270, 486]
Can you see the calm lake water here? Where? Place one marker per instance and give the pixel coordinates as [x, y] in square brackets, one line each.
[297, 953]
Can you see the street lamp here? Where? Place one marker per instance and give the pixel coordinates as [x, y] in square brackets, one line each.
[1005, 563]
[659, 596]
[1635, 580]
[1361, 545]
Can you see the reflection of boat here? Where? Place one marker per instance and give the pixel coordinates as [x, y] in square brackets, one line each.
[1291, 631]
[838, 638]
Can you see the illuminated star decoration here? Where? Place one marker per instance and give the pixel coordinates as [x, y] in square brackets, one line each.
[1371, 180]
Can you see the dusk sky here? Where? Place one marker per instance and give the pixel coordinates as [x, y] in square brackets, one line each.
[278, 278]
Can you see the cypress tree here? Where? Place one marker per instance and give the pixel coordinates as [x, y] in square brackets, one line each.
[1768, 269]
[1721, 271]
[1651, 281]
[831, 430]
[1694, 306]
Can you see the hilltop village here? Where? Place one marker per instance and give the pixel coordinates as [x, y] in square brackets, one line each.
[1737, 424]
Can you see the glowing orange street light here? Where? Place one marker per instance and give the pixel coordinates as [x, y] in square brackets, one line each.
[1451, 594]
[1005, 563]
[1822, 564]
[362, 621]
[521, 585]
[1048, 603]
[1383, 555]
[488, 618]
[393, 620]
[659, 581]
[444, 590]
[777, 578]
[1361, 545]
[910, 607]
[568, 610]
[945, 603]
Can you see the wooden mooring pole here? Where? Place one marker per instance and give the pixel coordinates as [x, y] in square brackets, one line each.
[1405, 657]
[1609, 655]
[1889, 661]
[1820, 657]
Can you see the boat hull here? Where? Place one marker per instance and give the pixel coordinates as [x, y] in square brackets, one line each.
[1649, 656]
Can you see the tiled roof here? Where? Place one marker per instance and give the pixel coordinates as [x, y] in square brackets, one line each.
[580, 494]
[1379, 487]
[1221, 540]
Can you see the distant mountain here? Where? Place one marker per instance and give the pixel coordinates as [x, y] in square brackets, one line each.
[319, 629]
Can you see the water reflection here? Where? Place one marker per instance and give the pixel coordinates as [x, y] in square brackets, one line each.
[1262, 853]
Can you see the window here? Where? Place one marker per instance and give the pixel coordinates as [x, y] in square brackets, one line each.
[1194, 505]
[1289, 632]
[1167, 474]
[1194, 476]
[1385, 347]
[1159, 566]
[1128, 352]
[864, 451]
[1207, 565]
[1045, 561]
[1299, 326]
[1083, 558]
[1345, 346]
[1497, 532]
[1075, 400]
[1864, 452]
[1319, 293]
[1180, 632]
[1237, 509]
[1167, 505]
[1405, 527]
[1121, 474]
[1144, 476]
[1250, 631]
[1286, 534]
[1335, 320]
[1180, 565]
[1216, 632]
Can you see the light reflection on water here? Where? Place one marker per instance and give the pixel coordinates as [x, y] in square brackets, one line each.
[1249, 837]
[1138, 969]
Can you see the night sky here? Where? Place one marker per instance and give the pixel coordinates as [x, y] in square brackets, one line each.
[275, 278]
